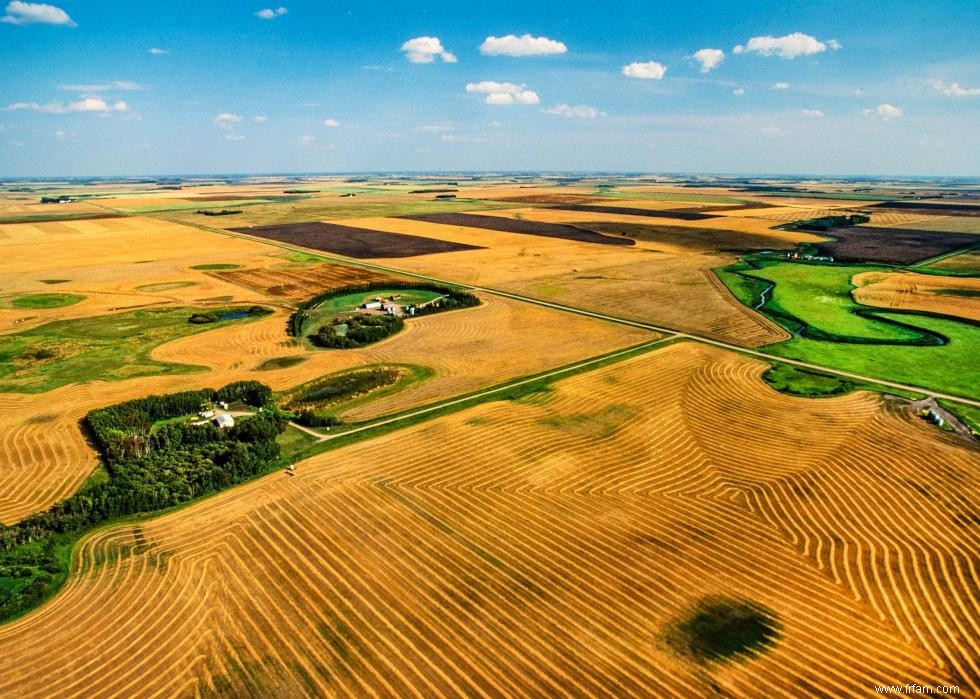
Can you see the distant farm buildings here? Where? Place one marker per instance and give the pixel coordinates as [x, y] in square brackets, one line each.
[224, 421]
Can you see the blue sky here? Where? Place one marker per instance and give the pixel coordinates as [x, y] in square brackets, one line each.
[113, 88]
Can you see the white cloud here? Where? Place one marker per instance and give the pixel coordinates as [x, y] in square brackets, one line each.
[789, 46]
[780, 86]
[527, 45]
[306, 139]
[651, 70]
[955, 90]
[86, 104]
[433, 128]
[425, 49]
[270, 13]
[35, 13]
[103, 86]
[234, 137]
[504, 93]
[158, 51]
[60, 133]
[770, 131]
[226, 120]
[453, 138]
[885, 111]
[811, 112]
[260, 119]
[581, 111]
[331, 122]
[738, 91]
[709, 58]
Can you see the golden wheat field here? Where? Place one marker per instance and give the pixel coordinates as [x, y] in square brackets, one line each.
[954, 296]
[47, 458]
[637, 283]
[544, 547]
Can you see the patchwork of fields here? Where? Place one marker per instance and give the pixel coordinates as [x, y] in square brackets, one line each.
[543, 528]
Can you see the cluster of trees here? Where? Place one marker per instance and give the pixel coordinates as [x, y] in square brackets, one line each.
[215, 316]
[453, 298]
[218, 212]
[148, 469]
[362, 329]
[311, 418]
[829, 223]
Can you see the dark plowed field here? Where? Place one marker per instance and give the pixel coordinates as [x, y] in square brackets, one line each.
[679, 214]
[361, 243]
[921, 207]
[510, 225]
[897, 246]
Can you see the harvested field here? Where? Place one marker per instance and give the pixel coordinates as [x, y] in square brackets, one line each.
[466, 350]
[968, 262]
[947, 224]
[679, 238]
[362, 243]
[897, 246]
[942, 209]
[638, 283]
[510, 225]
[952, 296]
[686, 215]
[299, 283]
[550, 198]
[546, 547]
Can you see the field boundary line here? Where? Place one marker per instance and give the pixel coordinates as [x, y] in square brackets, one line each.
[602, 316]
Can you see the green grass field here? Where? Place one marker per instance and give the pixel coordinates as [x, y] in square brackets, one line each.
[950, 368]
[108, 348]
[46, 300]
[331, 308]
[820, 296]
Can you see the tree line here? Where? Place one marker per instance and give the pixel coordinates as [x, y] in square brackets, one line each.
[452, 299]
[149, 466]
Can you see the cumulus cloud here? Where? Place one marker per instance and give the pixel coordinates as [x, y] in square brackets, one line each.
[581, 111]
[234, 137]
[780, 86]
[226, 120]
[651, 70]
[331, 122]
[709, 58]
[306, 139]
[738, 91]
[955, 90]
[527, 45]
[811, 112]
[504, 93]
[102, 86]
[35, 13]
[86, 104]
[885, 111]
[269, 13]
[158, 51]
[789, 46]
[425, 49]
[60, 133]
[260, 119]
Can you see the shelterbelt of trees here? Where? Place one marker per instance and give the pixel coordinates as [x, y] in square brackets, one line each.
[451, 299]
[150, 465]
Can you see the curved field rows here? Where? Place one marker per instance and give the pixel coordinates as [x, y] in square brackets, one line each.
[46, 457]
[542, 548]
[954, 296]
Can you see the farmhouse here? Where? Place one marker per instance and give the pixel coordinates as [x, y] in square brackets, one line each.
[224, 421]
